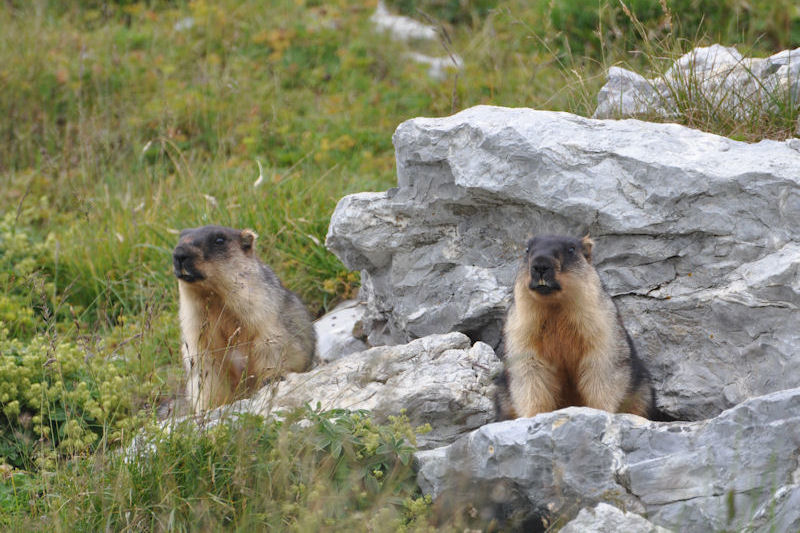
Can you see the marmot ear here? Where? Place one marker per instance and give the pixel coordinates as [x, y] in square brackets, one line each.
[586, 248]
[248, 237]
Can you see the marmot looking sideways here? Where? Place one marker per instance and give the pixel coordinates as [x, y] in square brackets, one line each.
[239, 325]
[565, 343]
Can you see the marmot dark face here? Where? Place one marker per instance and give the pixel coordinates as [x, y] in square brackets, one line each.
[201, 250]
[550, 259]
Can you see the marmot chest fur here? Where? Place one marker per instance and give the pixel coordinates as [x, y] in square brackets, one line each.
[239, 325]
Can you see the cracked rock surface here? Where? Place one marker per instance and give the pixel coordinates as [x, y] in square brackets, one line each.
[696, 238]
[738, 471]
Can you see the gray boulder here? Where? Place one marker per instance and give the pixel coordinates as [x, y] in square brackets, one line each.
[441, 380]
[445, 381]
[716, 77]
[736, 471]
[696, 239]
[628, 94]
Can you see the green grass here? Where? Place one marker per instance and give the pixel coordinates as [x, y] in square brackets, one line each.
[310, 471]
[732, 111]
[120, 128]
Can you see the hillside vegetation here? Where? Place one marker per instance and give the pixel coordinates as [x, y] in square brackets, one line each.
[125, 121]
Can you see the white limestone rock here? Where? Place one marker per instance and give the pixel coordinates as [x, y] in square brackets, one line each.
[441, 380]
[335, 331]
[400, 27]
[716, 77]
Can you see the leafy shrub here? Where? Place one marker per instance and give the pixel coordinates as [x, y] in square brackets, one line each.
[26, 265]
[57, 400]
[58, 396]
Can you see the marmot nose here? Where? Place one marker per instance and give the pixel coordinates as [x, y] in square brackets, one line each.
[179, 256]
[540, 269]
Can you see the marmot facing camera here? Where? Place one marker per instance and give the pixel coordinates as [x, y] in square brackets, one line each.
[565, 343]
[239, 325]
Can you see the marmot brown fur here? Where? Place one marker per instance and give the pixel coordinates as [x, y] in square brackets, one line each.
[239, 325]
[565, 343]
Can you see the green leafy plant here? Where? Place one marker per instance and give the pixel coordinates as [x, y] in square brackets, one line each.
[309, 470]
[60, 393]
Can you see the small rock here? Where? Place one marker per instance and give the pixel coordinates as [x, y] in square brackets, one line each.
[401, 28]
[335, 336]
[718, 77]
[604, 518]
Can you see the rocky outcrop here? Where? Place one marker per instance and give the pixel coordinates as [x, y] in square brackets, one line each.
[441, 380]
[715, 78]
[738, 471]
[696, 238]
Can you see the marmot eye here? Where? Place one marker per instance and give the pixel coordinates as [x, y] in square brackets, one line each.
[220, 240]
[571, 250]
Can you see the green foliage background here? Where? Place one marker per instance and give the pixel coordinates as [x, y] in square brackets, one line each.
[125, 121]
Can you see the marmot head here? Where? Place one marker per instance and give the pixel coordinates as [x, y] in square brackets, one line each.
[211, 252]
[550, 260]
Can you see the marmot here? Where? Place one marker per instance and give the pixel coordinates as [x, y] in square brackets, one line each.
[239, 325]
[565, 343]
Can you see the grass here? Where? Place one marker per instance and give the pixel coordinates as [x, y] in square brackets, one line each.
[310, 471]
[133, 129]
[127, 121]
[732, 101]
